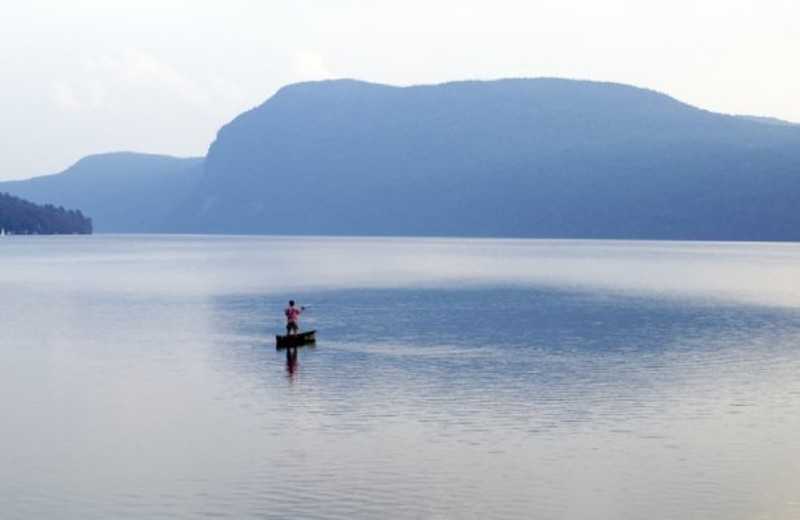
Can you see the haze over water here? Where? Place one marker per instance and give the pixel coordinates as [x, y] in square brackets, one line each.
[451, 379]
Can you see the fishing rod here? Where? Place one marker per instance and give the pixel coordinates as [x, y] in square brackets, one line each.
[317, 303]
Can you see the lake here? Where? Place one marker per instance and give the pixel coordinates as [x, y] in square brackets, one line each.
[451, 378]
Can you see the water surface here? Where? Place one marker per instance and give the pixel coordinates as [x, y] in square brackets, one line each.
[451, 379]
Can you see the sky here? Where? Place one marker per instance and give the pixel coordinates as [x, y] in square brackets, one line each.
[81, 77]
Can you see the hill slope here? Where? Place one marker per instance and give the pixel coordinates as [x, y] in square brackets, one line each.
[508, 158]
[522, 158]
[123, 192]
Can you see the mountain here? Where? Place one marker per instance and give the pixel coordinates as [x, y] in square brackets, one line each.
[548, 158]
[510, 158]
[123, 192]
[22, 217]
[769, 120]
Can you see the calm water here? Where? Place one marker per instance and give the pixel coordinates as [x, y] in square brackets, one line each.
[451, 379]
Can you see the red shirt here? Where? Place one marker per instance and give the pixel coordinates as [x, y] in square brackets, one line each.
[292, 313]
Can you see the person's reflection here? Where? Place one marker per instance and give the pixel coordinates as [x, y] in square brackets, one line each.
[291, 361]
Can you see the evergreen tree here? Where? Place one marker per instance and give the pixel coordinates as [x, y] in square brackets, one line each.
[21, 217]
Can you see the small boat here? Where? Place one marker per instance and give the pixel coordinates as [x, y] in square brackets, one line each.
[296, 340]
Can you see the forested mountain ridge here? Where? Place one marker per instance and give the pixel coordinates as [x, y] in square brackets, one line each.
[536, 158]
[21, 217]
[519, 158]
[124, 192]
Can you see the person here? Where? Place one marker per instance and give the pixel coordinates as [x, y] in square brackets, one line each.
[292, 318]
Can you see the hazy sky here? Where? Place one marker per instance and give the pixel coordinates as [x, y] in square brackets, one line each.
[88, 76]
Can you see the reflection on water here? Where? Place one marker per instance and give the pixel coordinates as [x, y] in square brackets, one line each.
[451, 379]
[291, 362]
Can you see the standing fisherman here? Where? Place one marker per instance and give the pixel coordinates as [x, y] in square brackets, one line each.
[292, 317]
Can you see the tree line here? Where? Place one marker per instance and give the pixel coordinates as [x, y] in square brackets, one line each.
[22, 217]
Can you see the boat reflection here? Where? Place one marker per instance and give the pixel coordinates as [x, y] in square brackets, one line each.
[292, 357]
[291, 362]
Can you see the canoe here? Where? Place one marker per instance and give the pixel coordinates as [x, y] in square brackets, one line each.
[297, 340]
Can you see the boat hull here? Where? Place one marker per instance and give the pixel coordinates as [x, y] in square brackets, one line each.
[296, 340]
